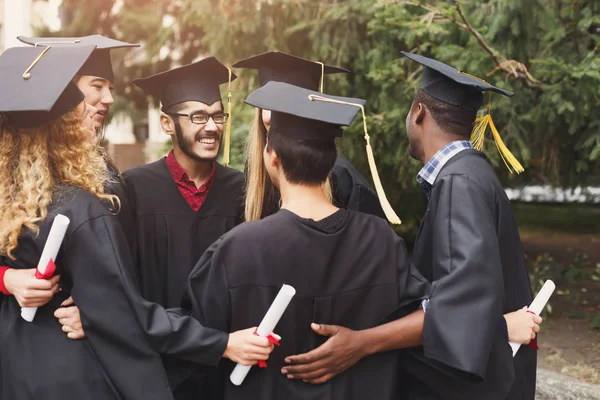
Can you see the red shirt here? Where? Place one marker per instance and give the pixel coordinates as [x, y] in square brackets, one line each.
[195, 196]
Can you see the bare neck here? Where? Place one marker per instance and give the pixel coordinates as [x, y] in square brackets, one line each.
[306, 201]
[436, 141]
[197, 171]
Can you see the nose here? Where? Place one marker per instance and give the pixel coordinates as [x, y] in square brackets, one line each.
[211, 126]
[107, 98]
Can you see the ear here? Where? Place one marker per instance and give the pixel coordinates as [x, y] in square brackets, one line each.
[271, 158]
[167, 125]
[419, 112]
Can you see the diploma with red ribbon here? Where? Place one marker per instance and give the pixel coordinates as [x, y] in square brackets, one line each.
[537, 306]
[265, 329]
[46, 266]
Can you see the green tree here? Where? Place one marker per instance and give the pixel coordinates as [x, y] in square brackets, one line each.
[546, 51]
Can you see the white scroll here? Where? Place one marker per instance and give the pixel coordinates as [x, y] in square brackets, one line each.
[51, 248]
[537, 306]
[266, 327]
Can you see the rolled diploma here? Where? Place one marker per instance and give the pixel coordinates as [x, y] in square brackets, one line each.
[55, 238]
[266, 327]
[537, 306]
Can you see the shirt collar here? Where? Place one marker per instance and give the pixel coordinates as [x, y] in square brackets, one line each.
[428, 174]
[179, 174]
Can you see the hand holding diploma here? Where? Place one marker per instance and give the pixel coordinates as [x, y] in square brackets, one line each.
[46, 267]
[537, 306]
[266, 327]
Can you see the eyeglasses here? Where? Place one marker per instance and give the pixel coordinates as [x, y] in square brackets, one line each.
[219, 118]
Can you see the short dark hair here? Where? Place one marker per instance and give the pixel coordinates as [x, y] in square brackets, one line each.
[303, 161]
[451, 119]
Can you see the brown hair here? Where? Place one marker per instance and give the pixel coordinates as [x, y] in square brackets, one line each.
[34, 161]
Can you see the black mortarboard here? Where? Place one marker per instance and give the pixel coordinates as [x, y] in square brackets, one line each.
[198, 81]
[283, 67]
[36, 84]
[296, 114]
[305, 114]
[99, 63]
[451, 86]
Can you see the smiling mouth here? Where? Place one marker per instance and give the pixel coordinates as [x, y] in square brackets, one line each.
[208, 140]
[101, 114]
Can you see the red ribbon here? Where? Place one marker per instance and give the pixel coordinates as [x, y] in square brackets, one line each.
[533, 344]
[272, 340]
[50, 269]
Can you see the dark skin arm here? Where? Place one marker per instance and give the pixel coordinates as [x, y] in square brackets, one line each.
[345, 347]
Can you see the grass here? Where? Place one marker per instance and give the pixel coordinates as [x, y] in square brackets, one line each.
[573, 218]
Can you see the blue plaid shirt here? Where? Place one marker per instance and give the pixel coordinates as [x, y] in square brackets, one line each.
[427, 175]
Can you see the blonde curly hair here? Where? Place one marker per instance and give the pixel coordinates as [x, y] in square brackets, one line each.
[260, 193]
[34, 161]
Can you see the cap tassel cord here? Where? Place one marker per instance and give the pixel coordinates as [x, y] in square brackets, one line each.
[27, 74]
[76, 41]
[227, 143]
[322, 76]
[478, 135]
[390, 214]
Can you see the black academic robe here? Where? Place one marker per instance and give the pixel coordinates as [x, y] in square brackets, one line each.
[349, 269]
[116, 186]
[352, 191]
[171, 237]
[119, 358]
[469, 246]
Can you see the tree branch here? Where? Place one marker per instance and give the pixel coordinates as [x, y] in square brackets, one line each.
[511, 67]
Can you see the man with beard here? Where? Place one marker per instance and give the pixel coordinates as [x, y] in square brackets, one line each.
[185, 201]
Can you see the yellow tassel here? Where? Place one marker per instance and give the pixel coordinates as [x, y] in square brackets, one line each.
[479, 132]
[514, 166]
[227, 142]
[322, 76]
[389, 212]
[478, 135]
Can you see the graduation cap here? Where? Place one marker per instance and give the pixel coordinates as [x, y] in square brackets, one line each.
[198, 81]
[305, 114]
[284, 67]
[451, 86]
[36, 84]
[99, 63]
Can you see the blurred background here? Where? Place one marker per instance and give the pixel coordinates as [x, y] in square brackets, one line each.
[546, 51]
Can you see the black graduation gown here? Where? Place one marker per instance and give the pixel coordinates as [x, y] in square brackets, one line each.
[349, 269]
[352, 191]
[171, 237]
[469, 246]
[117, 187]
[119, 357]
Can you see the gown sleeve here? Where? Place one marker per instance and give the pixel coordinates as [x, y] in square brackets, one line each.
[467, 293]
[125, 331]
[368, 202]
[208, 290]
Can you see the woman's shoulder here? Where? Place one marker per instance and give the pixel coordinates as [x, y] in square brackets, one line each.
[78, 205]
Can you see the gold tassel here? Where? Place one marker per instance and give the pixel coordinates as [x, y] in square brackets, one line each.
[390, 214]
[478, 135]
[227, 143]
[322, 76]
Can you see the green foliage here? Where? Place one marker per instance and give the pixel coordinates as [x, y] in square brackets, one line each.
[595, 322]
[574, 218]
[551, 124]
